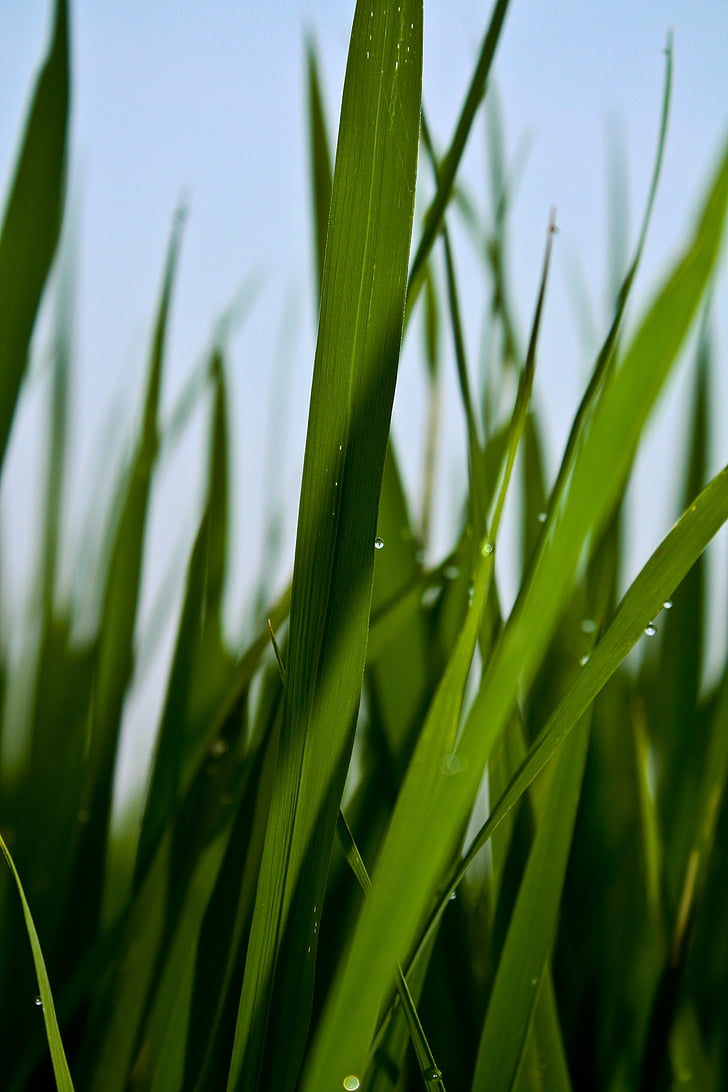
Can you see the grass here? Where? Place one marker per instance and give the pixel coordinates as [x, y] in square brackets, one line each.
[404, 839]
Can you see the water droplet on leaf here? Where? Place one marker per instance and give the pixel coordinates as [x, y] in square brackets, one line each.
[651, 629]
[432, 1073]
[667, 604]
[351, 1083]
[378, 543]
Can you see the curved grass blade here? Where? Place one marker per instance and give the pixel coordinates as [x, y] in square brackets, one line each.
[433, 804]
[360, 329]
[32, 222]
[58, 1056]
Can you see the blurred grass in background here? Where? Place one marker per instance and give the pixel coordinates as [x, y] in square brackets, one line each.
[403, 838]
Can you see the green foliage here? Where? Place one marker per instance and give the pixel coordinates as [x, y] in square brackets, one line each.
[420, 842]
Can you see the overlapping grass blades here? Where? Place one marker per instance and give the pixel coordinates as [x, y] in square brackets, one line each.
[544, 826]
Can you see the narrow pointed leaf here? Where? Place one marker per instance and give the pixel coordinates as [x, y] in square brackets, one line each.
[58, 1056]
[32, 221]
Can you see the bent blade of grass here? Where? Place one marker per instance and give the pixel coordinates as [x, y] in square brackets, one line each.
[58, 1056]
[32, 222]
[431, 809]
[360, 329]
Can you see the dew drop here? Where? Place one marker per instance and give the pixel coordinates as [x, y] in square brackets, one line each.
[541, 517]
[451, 572]
[471, 594]
[452, 896]
[667, 605]
[430, 596]
[378, 543]
[38, 1003]
[432, 1073]
[651, 630]
[588, 625]
[534, 982]
[454, 764]
[487, 548]
[220, 747]
[351, 1083]
[584, 659]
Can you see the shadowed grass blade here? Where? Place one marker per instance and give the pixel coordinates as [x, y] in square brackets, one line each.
[32, 222]
[362, 309]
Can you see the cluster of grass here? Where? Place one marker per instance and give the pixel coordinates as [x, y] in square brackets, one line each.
[401, 840]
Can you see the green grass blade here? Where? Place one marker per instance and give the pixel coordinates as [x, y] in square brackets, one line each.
[362, 309]
[32, 221]
[58, 1057]
[446, 177]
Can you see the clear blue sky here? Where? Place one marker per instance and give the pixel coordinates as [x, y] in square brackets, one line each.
[207, 99]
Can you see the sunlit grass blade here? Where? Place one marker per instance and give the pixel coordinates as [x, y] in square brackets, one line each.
[58, 1057]
[32, 221]
[362, 309]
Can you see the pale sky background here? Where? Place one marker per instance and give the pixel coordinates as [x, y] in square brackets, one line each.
[206, 98]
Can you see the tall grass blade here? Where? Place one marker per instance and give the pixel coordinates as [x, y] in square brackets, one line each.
[362, 309]
[32, 222]
[446, 175]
